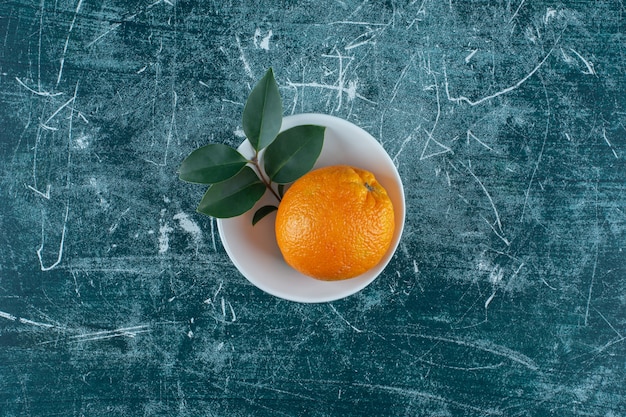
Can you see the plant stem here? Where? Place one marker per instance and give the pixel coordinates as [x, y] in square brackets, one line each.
[266, 181]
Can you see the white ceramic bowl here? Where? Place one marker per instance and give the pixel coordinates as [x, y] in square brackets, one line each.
[253, 249]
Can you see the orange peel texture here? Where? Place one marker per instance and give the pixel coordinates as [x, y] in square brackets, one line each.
[335, 223]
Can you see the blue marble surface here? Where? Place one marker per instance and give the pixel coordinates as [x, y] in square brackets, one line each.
[505, 119]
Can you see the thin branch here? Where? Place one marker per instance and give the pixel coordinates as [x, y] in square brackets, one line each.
[266, 181]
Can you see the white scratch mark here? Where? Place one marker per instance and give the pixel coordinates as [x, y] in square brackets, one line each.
[436, 85]
[45, 195]
[404, 143]
[129, 18]
[232, 312]
[517, 11]
[109, 334]
[67, 204]
[45, 124]
[111, 29]
[497, 233]
[471, 135]
[41, 14]
[39, 93]
[367, 38]
[35, 323]
[347, 22]
[395, 90]
[51, 129]
[465, 368]
[489, 347]
[11, 317]
[430, 397]
[610, 325]
[243, 59]
[212, 223]
[237, 103]
[590, 70]
[8, 316]
[332, 307]
[61, 243]
[593, 278]
[488, 301]
[497, 94]
[67, 40]
[358, 44]
[445, 149]
[169, 133]
[532, 177]
[396, 86]
[543, 145]
[610, 343]
[546, 283]
[218, 290]
[609, 143]
[115, 225]
[500, 232]
[258, 385]
[471, 54]
[341, 79]
[76, 289]
[350, 91]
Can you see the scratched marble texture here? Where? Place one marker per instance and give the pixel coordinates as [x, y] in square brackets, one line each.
[507, 295]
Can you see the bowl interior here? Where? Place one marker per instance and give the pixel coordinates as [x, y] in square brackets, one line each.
[253, 249]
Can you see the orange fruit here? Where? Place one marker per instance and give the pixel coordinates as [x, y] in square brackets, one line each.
[335, 223]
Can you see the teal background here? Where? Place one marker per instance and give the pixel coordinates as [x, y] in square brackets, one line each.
[507, 295]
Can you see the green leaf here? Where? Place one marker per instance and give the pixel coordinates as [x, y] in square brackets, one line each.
[263, 112]
[211, 163]
[293, 153]
[262, 212]
[234, 196]
[281, 190]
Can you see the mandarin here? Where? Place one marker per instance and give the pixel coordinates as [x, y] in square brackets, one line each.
[335, 223]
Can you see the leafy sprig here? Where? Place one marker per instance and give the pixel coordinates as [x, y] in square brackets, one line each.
[235, 182]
